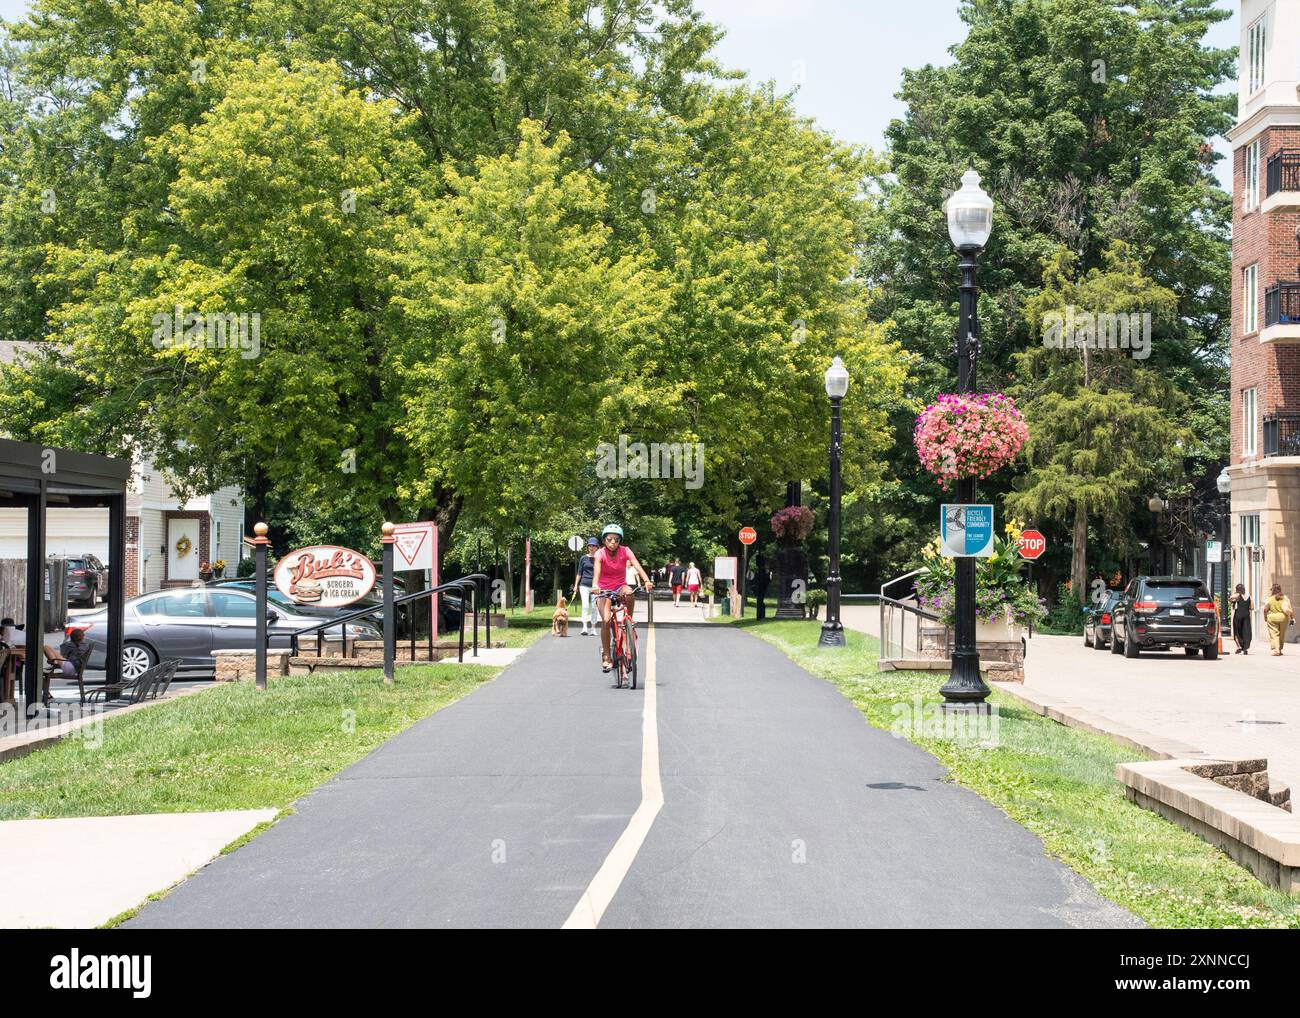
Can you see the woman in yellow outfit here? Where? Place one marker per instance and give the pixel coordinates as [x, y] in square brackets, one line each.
[1278, 615]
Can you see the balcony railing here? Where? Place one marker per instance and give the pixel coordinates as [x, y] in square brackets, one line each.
[1282, 304]
[1282, 433]
[1283, 172]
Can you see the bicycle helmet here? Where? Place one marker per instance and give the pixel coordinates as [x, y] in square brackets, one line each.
[613, 528]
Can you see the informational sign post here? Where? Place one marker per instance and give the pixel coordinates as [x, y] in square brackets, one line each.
[966, 531]
[748, 535]
[415, 546]
[1213, 551]
[415, 549]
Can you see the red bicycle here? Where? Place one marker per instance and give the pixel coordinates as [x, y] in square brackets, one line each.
[623, 645]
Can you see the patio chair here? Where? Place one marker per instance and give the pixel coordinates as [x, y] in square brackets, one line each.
[164, 680]
[87, 648]
[130, 692]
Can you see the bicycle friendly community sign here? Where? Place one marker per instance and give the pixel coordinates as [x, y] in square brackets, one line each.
[966, 531]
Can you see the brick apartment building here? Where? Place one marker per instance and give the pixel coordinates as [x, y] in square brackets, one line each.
[1265, 468]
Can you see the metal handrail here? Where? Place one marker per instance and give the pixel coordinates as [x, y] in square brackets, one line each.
[471, 581]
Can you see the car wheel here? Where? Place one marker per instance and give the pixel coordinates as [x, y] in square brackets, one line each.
[1115, 646]
[1086, 641]
[136, 660]
[1131, 648]
[1211, 651]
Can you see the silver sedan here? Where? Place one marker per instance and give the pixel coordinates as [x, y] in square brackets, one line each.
[187, 624]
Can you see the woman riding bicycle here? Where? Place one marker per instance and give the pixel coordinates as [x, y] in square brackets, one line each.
[610, 577]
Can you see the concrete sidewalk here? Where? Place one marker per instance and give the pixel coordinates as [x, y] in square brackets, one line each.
[95, 868]
[1236, 707]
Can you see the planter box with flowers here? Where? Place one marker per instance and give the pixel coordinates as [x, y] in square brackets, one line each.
[968, 436]
[791, 526]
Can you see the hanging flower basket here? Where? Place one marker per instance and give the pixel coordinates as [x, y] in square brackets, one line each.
[969, 436]
[792, 524]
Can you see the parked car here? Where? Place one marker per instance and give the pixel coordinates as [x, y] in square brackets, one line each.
[1097, 621]
[450, 606]
[87, 580]
[1160, 612]
[187, 624]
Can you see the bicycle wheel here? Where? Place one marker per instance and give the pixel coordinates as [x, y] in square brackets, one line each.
[629, 649]
[616, 652]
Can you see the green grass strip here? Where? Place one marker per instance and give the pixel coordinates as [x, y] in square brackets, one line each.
[1058, 782]
[229, 747]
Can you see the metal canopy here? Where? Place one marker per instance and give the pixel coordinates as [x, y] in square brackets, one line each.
[33, 477]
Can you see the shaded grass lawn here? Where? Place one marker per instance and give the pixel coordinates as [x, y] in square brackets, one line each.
[1059, 783]
[229, 747]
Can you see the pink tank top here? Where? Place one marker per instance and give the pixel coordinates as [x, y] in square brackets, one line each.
[613, 569]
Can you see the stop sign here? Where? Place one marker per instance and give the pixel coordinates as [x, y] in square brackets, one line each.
[1032, 544]
[748, 535]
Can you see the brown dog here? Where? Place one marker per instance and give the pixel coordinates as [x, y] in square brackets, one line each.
[560, 619]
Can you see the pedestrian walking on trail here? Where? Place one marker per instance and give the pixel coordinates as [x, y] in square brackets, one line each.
[1278, 615]
[676, 577]
[1242, 607]
[693, 583]
[582, 582]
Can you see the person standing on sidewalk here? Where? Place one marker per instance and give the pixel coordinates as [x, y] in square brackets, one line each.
[1241, 612]
[582, 582]
[1278, 614]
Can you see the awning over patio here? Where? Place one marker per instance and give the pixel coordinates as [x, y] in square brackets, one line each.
[36, 477]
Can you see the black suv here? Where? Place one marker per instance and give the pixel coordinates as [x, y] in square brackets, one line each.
[1159, 612]
[87, 580]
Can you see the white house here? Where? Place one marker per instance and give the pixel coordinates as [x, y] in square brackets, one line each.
[166, 538]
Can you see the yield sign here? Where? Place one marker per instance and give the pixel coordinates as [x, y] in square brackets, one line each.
[415, 545]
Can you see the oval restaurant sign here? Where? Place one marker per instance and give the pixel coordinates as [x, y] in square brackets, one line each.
[324, 576]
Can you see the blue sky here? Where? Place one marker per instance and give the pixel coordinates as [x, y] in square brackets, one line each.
[847, 56]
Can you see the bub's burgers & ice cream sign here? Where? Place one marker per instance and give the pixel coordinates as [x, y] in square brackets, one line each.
[324, 576]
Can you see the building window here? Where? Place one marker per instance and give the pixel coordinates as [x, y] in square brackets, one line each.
[1249, 299]
[1249, 424]
[1251, 198]
[1256, 44]
[217, 555]
[1250, 529]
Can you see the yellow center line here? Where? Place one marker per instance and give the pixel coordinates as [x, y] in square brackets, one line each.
[587, 913]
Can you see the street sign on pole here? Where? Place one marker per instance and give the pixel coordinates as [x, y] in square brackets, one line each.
[1213, 551]
[748, 535]
[966, 531]
[575, 543]
[1032, 544]
[416, 546]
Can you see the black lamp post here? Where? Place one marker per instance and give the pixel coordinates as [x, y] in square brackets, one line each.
[1157, 505]
[970, 221]
[1224, 484]
[837, 384]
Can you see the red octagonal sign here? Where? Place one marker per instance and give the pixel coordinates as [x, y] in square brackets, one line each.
[748, 535]
[1032, 544]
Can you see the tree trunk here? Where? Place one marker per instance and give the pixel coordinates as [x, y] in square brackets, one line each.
[1079, 555]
